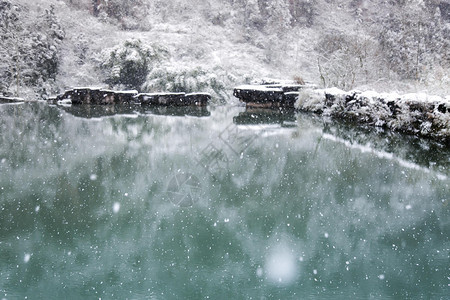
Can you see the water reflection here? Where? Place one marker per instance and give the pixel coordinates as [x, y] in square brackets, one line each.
[98, 111]
[285, 117]
[87, 210]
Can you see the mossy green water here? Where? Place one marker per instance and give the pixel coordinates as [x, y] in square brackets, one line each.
[94, 207]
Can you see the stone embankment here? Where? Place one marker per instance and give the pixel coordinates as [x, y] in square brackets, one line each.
[418, 114]
[106, 97]
[268, 96]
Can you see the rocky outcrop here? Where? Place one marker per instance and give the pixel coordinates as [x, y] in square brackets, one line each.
[85, 95]
[268, 95]
[174, 99]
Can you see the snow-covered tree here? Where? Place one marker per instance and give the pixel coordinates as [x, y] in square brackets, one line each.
[414, 38]
[187, 80]
[278, 14]
[30, 50]
[303, 12]
[128, 64]
[10, 29]
[348, 60]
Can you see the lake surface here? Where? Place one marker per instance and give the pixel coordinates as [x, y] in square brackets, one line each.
[217, 203]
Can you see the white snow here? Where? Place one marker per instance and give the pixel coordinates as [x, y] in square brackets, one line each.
[281, 265]
[259, 272]
[132, 92]
[27, 257]
[116, 207]
[64, 102]
[13, 99]
[198, 94]
[258, 88]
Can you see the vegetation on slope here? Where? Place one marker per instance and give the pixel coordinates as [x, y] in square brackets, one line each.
[396, 45]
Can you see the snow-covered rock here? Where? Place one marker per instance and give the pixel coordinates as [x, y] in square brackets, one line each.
[93, 95]
[419, 113]
[173, 99]
[271, 95]
[4, 99]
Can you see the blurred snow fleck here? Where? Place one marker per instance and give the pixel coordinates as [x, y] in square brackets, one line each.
[408, 207]
[226, 220]
[3, 160]
[281, 265]
[381, 276]
[37, 208]
[116, 207]
[259, 272]
[27, 257]
[326, 235]
[315, 272]
[93, 177]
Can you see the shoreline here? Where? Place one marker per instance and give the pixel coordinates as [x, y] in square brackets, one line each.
[418, 114]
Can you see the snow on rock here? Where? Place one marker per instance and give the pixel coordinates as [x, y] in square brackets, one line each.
[268, 95]
[87, 95]
[417, 113]
[4, 99]
[174, 99]
[64, 102]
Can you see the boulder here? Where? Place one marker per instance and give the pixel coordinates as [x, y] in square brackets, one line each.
[90, 95]
[267, 95]
[197, 99]
[173, 99]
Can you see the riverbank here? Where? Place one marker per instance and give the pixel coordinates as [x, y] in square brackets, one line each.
[418, 113]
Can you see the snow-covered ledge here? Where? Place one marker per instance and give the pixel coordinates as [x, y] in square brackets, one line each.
[417, 113]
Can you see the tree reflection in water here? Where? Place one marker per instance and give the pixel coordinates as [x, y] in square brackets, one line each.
[313, 209]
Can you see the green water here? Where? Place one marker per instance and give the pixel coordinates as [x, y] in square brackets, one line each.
[217, 203]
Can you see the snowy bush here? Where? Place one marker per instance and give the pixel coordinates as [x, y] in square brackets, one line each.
[173, 79]
[128, 64]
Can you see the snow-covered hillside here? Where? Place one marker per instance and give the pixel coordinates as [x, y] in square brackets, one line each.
[213, 45]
